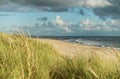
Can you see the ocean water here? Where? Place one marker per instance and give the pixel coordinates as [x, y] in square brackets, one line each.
[111, 41]
[96, 41]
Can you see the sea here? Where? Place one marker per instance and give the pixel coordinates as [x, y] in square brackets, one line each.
[99, 41]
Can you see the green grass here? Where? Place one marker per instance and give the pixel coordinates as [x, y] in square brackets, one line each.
[27, 58]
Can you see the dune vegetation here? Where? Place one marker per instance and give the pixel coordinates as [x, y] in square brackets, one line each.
[27, 58]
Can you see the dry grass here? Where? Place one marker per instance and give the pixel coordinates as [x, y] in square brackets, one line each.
[27, 58]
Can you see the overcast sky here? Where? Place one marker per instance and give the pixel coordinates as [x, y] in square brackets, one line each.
[61, 17]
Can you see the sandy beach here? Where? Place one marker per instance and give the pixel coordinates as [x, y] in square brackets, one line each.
[71, 49]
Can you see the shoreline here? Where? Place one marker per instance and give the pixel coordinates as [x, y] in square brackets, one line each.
[72, 49]
[101, 45]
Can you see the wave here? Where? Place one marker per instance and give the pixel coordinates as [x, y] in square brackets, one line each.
[99, 42]
[92, 43]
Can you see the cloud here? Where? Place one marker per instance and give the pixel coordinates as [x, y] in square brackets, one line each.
[114, 24]
[58, 21]
[113, 10]
[54, 5]
[4, 2]
[42, 19]
[46, 30]
[55, 27]
[86, 25]
[102, 26]
[61, 24]
[55, 9]
[100, 8]
[108, 25]
[82, 27]
[81, 11]
[64, 3]
[98, 3]
[10, 7]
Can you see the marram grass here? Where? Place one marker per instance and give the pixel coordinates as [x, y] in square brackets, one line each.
[27, 58]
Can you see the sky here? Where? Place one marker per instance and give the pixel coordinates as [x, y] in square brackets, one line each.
[61, 17]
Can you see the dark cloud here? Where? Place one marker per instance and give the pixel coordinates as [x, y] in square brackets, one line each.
[113, 10]
[42, 19]
[4, 1]
[64, 3]
[101, 8]
[81, 12]
[46, 3]
[58, 3]
[55, 9]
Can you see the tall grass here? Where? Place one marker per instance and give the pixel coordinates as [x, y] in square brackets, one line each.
[27, 58]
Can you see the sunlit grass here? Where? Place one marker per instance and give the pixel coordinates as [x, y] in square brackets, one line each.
[27, 58]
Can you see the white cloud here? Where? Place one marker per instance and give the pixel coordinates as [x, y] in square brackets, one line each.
[58, 21]
[114, 24]
[97, 3]
[88, 25]
[61, 24]
[108, 25]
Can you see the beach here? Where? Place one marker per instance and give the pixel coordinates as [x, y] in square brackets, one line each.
[71, 49]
